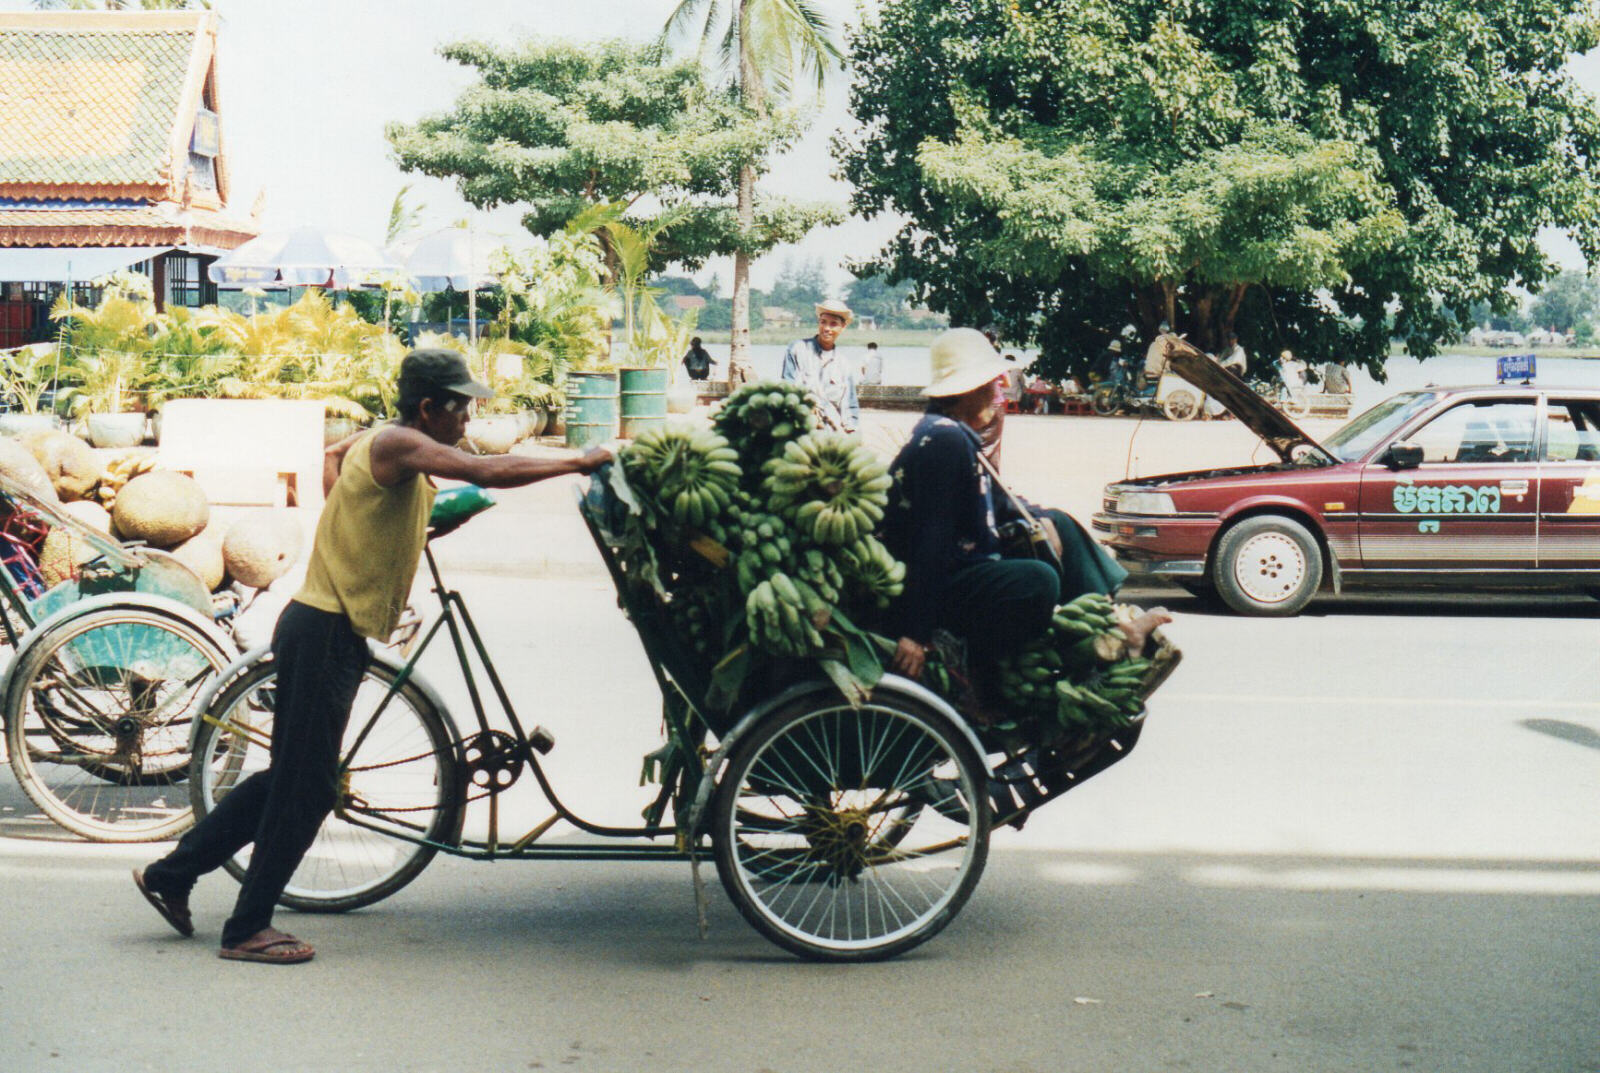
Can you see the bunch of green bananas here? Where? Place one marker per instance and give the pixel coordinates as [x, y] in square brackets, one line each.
[817, 569]
[832, 486]
[760, 418]
[785, 616]
[764, 543]
[877, 575]
[1077, 674]
[1106, 699]
[691, 473]
[694, 615]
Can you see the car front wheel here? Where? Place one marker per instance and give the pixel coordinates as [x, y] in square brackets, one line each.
[1267, 565]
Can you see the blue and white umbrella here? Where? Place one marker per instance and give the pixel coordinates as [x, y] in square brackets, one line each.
[304, 257]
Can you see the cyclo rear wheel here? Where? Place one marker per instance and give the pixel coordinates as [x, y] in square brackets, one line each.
[400, 781]
[852, 834]
[98, 718]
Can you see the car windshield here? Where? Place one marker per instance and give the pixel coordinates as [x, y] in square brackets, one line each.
[1376, 425]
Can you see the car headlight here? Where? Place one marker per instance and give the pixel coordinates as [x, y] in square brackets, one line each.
[1145, 503]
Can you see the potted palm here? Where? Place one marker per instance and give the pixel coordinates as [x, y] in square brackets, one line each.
[26, 375]
[190, 357]
[104, 358]
[107, 395]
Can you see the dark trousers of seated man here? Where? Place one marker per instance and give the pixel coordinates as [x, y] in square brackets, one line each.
[1000, 605]
[320, 661]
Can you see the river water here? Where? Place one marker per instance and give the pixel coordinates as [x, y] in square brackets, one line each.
[910, 365]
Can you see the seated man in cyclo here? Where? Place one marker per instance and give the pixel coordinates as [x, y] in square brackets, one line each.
[942, 522]
[368, 542]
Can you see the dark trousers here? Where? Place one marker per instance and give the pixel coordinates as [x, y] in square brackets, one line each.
[320, 662]
[1002, 604]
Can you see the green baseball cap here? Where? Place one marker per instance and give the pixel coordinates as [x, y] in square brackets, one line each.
[423, 370]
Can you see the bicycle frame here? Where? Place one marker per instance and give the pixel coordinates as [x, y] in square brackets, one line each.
[454, 617]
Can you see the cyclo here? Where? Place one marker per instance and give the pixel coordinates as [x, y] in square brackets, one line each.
[842, 831]
[112, 646]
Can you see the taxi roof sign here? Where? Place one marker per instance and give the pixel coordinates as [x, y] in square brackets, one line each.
[1515, 367]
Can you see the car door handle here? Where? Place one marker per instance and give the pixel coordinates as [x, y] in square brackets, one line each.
[1515, 488]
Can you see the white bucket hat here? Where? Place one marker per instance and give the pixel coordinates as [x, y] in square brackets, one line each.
[963, 361]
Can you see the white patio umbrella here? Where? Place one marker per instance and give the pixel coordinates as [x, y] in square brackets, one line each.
[451, 259]
[304, 257]
[455, 258]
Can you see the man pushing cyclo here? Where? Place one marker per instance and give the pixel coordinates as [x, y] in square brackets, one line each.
[368, 542]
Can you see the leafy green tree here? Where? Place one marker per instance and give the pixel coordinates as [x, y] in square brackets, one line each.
[1312, 173]
[566, 128]
[800, 285]
[1566, 301]
[886, 303]
[767, 48]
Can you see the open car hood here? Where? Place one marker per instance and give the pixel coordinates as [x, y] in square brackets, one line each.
[1258, 415]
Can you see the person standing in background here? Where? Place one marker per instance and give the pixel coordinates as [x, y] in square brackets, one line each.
[817, 364]
[1013, 383]
[1233, 356]
[872, 370]
[697, 362]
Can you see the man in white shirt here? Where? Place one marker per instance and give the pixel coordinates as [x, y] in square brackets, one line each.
[817, 363]
[872, 372]
[1233, 356]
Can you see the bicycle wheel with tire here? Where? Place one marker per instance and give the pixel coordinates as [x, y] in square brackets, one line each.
[851, 834]
[1181, 404]
[1105, 400]
[98, 718]
[400, 783]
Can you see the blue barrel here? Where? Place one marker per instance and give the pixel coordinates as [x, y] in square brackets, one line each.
[591, 408]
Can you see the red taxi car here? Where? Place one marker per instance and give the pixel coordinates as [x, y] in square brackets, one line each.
[1483, 487]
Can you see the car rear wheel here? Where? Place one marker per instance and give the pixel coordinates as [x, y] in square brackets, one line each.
[1267, 565]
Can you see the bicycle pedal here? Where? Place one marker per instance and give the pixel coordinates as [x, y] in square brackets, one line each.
[541, 739]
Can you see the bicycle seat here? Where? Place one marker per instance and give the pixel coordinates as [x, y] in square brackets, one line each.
[452, 506]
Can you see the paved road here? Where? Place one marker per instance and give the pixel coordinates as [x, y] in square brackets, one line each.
[1363, 839]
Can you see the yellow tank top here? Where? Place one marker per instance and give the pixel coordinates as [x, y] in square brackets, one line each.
[369, 539]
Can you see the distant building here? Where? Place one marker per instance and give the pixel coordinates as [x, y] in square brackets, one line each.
[778, 317]
[685, 302]
[111, 157]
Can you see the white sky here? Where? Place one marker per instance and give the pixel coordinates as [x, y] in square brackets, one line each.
[308, 85]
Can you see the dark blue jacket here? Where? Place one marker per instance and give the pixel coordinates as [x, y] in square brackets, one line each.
[941, 516]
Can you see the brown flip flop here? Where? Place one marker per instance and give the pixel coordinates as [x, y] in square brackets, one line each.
[269, 947]
[174, 911]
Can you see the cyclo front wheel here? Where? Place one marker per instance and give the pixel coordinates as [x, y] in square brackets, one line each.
[98, 718]
[852, 834]
[400, 788]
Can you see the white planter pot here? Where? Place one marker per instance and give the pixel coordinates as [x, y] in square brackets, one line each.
[492, 435]
[116, 430]
[681, 398]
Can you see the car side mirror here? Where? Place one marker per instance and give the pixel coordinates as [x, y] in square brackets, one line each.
[1403, 456]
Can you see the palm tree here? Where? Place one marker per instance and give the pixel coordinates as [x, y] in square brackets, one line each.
[768, 47]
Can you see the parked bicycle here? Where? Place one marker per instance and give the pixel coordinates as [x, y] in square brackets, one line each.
[105, 677]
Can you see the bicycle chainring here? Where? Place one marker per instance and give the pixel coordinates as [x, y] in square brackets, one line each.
[493, 760]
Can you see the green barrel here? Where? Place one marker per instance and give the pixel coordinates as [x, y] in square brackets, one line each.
[591, 408]
[644, 400]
